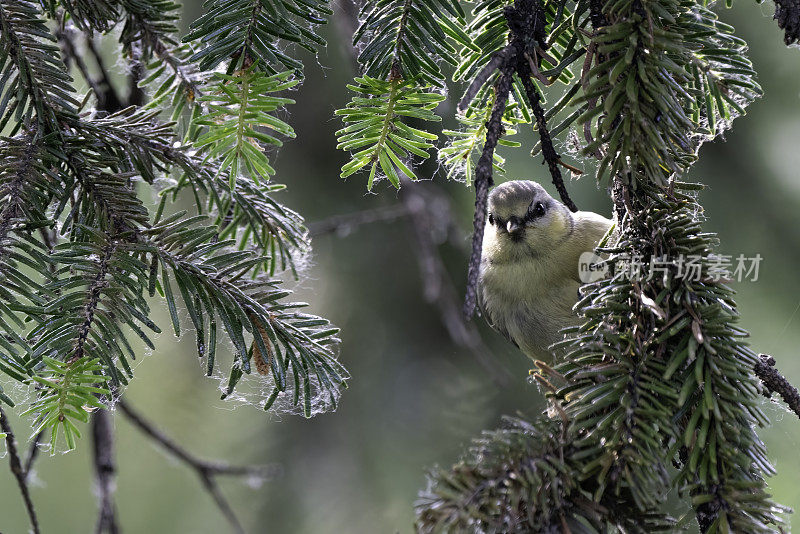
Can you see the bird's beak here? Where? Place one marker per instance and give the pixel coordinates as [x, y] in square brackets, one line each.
[514, 228]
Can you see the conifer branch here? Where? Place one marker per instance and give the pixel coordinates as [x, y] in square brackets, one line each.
[524, 478]
[35, 78]
[11, 191]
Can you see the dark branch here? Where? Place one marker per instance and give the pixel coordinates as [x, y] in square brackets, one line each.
[19, 473]
[108, 98]
[484, 180]
[776, 383]
[207, 471]
[105, 471]
[548, 151]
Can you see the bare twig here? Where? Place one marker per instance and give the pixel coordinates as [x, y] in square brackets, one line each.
[206, 471]
[483, 180]
[548, 151]
[105, 471]
[19, 473]
[774, 382]
[349, 222]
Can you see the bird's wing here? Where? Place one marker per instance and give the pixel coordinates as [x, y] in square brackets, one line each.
[488, 316]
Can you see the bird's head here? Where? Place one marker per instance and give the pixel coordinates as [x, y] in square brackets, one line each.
[523, 221]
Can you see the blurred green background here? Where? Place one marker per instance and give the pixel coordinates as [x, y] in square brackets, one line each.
[415, 399]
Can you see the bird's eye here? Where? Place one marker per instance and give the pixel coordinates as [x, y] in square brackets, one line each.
[536, 210]
[491, 219]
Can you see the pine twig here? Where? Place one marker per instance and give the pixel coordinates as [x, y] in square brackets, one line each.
[206, 471]
[19, 473]
[777, 383]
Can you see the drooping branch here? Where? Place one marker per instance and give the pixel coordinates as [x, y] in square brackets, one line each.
[483, 181]
[19, 472]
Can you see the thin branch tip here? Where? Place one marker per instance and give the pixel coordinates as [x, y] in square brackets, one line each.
[18, 471]
[205, 470]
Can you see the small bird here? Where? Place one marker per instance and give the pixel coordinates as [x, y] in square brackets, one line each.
[529, 275]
